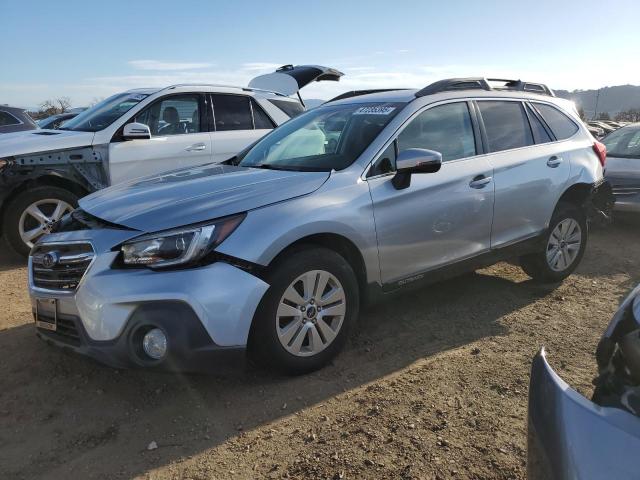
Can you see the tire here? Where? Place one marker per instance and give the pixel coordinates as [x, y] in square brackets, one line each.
[52, 202]
[288, 343]
[562, 231]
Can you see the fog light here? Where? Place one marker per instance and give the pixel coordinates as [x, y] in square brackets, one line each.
[154, 343]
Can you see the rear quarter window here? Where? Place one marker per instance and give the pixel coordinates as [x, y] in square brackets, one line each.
[292, 109]
[7, 119]
[559, 123]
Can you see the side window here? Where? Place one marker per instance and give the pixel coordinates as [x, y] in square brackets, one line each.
[7, 119]
[291, 107]
[260, 119]
[561, 125]
[506, 125]
[386, 163]
[232, 112]
[175, 115]
[540, 134]
[446, 129]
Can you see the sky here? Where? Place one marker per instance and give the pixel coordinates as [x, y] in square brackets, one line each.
[88, 50]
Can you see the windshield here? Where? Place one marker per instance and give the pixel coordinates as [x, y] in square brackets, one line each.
[324, 139]
[624, 142]
[103, 114]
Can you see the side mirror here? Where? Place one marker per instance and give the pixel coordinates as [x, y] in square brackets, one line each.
[136, 131]
[415, 160]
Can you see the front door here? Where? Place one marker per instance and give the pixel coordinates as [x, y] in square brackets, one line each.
[441, 217]
[179, 138]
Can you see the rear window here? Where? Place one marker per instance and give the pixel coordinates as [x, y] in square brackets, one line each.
[561, 125]
[506, 125]
[623, 143]
[7, 119]
[291, 108]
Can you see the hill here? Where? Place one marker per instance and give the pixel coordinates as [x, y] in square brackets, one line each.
[612, 99]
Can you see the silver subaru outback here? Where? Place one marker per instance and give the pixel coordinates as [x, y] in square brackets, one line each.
[271, 254]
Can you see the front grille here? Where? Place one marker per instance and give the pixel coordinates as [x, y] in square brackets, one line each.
[60, 266]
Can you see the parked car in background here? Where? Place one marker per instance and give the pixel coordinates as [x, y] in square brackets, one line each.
[599, 124]
[571, 437]
[273, 252]
[14, 119]
[136, 133]
[597, 132]
[623, 167]
[54, 122]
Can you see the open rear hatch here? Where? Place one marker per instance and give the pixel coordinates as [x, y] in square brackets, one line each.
[288, 79]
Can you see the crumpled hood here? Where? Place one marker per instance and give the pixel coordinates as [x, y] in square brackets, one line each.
[42, 140]
[188, 196]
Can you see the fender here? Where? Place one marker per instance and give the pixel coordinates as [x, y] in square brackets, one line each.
[82, 166]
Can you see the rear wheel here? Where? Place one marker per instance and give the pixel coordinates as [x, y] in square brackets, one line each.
[32, 213]
[304, 318]
[564, 246]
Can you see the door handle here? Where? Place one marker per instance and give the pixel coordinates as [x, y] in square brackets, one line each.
[480, 181]
[196, 147]
[554, 161]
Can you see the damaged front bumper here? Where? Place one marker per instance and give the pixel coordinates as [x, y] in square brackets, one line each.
[205, 312]
[570, 437]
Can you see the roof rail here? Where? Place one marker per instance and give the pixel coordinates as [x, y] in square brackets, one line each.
[357, 93]
[481, 83]
[246, 89]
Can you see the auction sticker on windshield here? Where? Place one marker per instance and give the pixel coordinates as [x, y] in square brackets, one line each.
[375, 110]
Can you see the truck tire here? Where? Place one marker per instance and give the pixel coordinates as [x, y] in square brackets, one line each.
[31, 214]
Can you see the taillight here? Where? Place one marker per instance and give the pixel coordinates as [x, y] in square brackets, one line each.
[601, 151]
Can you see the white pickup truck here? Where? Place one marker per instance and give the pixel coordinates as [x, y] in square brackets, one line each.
[133, 134]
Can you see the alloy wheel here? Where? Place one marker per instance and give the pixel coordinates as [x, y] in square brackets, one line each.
[310, 313]
[564, 244]
[38, 218]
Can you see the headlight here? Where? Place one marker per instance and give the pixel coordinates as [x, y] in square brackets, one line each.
[4, 162]
[178, 246]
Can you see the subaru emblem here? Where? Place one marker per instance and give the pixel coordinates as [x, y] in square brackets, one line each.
[50, 259]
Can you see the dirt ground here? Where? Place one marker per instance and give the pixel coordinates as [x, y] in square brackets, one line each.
[434, 385]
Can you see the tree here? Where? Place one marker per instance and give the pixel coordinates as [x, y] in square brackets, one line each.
[631, 115]
[604, 116]
[583, 115]
[54, 107]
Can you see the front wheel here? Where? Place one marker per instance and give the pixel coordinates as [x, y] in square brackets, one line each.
[304, 318]
[563, 246]
[32, 213]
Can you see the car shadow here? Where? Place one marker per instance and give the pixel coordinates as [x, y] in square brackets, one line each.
[61, 414]
[10, 260]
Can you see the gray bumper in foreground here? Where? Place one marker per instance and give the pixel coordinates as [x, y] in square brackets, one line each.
[570, 437]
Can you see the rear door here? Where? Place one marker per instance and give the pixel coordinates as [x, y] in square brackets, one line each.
[179, 138]
[528, 177]
[237, 122]
[442, 217]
